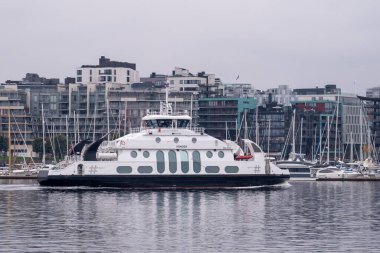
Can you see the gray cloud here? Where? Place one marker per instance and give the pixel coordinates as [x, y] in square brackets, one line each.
[301, 43]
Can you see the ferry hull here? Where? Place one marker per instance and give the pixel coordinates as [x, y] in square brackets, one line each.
[162, 182]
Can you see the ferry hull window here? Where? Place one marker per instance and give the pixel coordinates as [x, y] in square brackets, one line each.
[209, 154]
[145, 169]
[146, 154]
[160, 162]
[231, 169]
[221, 154]
[124, 169]
[134, 154]
[196, 162]
[184, 161]
[172, 162]
[212, 169]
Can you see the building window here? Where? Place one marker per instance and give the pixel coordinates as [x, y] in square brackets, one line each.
[127, 79]
[124, 169]
[114, 71]
[160, 161]
[90, 78]
[79, 79]
[196, 162]
[128, 73]
[184, 161]
[212, 169]
[172, 161]
[145, 169]
[146, 154]
[133, 154]
[90, 71]
[79, 72]
[209, 154]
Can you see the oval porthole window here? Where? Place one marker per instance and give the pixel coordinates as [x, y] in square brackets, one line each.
[194, 140]
[146, 154]
[221, 154]
[158, 139]
[209, 154]
[134, 154]
[176, 140]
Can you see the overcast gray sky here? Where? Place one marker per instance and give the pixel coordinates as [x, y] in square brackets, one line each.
[302, 43]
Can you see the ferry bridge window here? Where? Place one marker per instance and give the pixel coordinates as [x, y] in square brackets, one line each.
[160, 161]
[196, 162]
[182, 123]
[164, 122]
[184, 161]
[172, 161]
[151, 123]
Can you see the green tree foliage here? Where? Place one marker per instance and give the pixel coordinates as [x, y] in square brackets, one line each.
[3, 144]
[38, 148]
[60, 146]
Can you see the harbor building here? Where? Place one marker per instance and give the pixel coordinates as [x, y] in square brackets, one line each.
[224, 118]
[315, 108]
[13, 114]
[371, 103]
[108, 71]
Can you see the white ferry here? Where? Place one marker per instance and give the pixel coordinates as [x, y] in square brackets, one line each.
[165, 153]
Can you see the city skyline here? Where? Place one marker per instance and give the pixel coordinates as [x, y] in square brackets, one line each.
[297, 43]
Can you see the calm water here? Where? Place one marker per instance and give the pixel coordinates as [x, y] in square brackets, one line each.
[299, 217]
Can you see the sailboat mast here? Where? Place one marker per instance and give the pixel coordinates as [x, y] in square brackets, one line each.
[67, 137]
[257, 124]
[93, 134]
[328, 140]
[245, 125]
[9, 141]
[352, 149]
[125, 118]
[301, 136]
[191, 110]
[361, 135]
[336, 127]
[43, 135]
[268, 137]
[293, 132]
[108, 119]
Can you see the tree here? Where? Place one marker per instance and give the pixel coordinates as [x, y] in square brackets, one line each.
[60, 146]
[3, 144]
[38, 148]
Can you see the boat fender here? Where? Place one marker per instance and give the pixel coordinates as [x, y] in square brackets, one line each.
[244, 157]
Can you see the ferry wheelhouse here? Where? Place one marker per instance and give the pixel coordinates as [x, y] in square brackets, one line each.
[167, 152]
